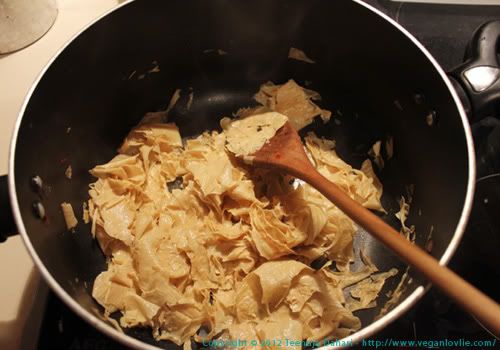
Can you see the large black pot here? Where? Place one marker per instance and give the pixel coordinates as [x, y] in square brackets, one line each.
[378, 78]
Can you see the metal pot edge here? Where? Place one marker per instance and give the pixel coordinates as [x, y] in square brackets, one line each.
[355, 338]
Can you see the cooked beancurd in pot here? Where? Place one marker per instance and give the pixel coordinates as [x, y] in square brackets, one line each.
[226, 255]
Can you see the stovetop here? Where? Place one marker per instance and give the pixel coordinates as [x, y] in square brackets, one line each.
[444, 30]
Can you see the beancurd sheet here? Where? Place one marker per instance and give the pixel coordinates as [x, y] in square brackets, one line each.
[226, 254]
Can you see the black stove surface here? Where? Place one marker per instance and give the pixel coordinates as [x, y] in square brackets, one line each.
[445, 30]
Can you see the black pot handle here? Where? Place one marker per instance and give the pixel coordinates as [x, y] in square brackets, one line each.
[7, 224]
[478, 78]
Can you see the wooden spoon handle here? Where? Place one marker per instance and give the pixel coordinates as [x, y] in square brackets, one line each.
[471, 299]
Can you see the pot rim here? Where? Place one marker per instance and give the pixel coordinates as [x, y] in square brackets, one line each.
[354, 338]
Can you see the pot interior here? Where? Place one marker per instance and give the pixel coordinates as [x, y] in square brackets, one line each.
[375, 80]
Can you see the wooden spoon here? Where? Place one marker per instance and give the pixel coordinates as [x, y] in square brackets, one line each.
[285, 152]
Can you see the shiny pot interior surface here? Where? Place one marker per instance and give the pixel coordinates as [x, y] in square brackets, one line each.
[376, 80]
